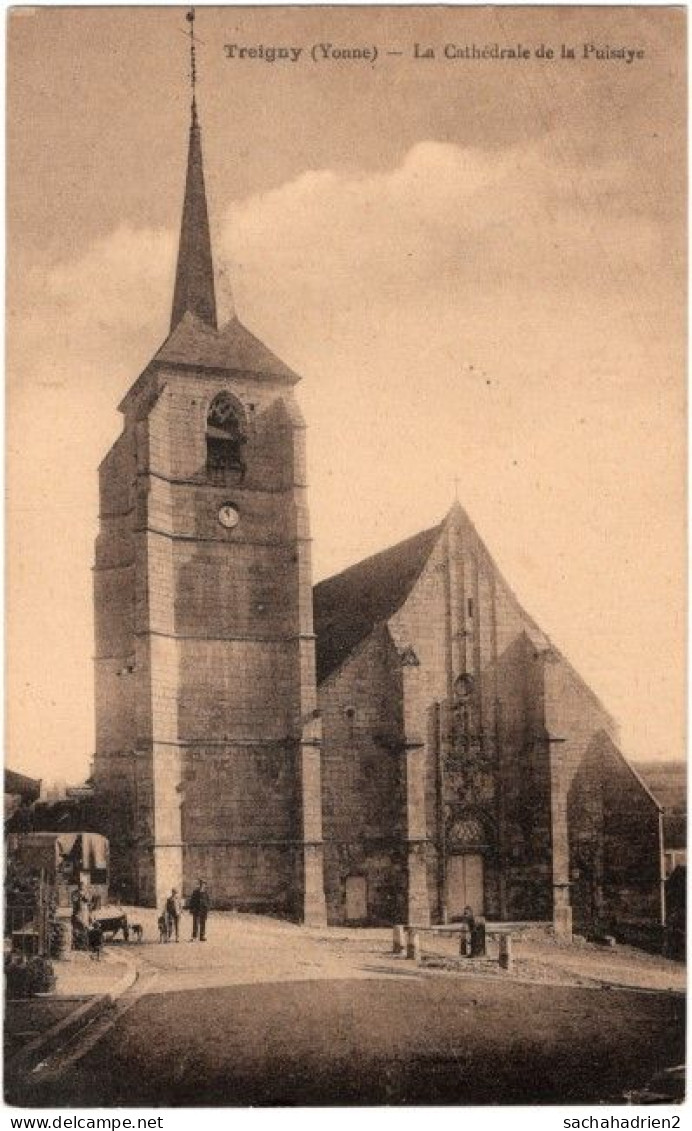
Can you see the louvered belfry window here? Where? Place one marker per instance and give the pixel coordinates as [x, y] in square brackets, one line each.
[225, 438]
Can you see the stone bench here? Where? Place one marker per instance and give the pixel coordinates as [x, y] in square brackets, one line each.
[406, 939]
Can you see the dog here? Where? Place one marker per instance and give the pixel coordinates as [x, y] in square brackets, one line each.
[138, 931]
[163, 929]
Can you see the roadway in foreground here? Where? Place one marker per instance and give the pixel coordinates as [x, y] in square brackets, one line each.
[232, 1025]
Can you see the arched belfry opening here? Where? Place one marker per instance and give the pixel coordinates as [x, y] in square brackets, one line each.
[225, 437]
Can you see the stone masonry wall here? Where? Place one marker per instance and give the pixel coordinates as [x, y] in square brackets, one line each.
[614, 839]
[549, 802]
[422, 624]
[458, 620]
[606, 827]
[115, 653]
[219, 624]
[524, 850]
[362, 780]
[462, 620]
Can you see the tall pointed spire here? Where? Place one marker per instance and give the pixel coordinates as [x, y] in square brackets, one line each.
[194, 278]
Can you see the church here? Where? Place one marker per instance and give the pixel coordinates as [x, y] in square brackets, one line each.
[394, 745]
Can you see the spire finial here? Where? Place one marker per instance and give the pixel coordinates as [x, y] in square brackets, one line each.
[194, 278]
[193, 63]
[456, 488]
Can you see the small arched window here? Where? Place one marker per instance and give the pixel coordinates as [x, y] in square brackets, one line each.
[225, 438]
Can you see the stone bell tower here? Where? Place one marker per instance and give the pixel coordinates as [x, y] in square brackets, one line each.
[208, 740]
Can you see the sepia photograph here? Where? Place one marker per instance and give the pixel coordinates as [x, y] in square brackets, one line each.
[346, 588]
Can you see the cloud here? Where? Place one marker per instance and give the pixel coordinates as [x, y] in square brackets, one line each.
[127, 262]
[535, 245]
[447, 224]
[442, 205]
[383, 289]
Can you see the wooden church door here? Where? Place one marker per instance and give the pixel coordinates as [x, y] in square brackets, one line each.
[465, 884]
[356, 899]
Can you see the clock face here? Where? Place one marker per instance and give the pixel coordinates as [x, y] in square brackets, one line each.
[228, 516]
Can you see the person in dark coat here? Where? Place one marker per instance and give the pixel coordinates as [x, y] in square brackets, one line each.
[199, 909]
[172, 913]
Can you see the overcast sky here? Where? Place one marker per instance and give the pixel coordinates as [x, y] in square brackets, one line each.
[477, 267]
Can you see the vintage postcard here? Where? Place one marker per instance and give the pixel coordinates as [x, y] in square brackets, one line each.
[346, 556]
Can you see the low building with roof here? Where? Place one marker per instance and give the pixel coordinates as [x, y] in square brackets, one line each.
[20, 791]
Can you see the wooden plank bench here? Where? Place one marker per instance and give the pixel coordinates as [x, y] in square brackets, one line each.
[406, 939]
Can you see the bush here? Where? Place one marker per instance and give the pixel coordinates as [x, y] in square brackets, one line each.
[59, 938]
[24, 979]
[41, 976]
[15, 977]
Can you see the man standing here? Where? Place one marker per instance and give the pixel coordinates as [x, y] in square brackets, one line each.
[173, 910]
[199, 907]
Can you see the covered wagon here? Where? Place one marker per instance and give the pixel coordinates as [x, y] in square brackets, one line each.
[64, 859]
